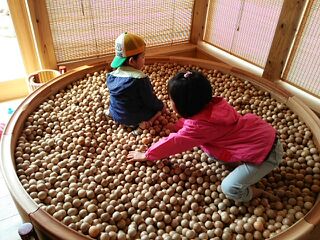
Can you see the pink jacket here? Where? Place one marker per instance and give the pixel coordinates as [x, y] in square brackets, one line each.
[221, 132]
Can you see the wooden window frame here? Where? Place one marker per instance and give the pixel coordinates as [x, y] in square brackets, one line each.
[30, 19]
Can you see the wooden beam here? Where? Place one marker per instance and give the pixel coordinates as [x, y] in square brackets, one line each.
[298, 39]
[198, 21]
[20, 19]
[41, 27]
[286, 29]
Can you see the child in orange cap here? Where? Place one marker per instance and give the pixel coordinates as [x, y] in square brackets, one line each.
[132, 100]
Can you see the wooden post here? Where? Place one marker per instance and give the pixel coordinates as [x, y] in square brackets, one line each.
[287, 26]
[198, 20]
[20, 19]
[42, 32]
[298, 39]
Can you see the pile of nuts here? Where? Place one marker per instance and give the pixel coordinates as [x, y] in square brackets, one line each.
[71, 159]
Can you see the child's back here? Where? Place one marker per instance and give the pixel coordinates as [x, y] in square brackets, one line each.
[222, 133]
[132, 100]
[131, 96]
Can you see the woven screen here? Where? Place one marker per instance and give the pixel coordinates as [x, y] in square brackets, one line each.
[303, 68]
[244, 28]
[88, 28]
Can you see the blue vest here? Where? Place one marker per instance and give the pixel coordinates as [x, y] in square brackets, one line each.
[132, 99]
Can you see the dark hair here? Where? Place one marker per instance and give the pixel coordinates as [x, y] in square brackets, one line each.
[135, 57]
[190, 91]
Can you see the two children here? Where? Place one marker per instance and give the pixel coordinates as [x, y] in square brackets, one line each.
[221, 132]
[132, 100]
[208, 122]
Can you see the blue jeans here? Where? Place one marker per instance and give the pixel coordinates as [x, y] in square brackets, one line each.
[237, 184]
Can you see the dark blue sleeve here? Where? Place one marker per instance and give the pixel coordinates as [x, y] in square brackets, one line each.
[149, 99]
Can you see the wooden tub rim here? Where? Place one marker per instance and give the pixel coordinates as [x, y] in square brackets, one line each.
[16, 190]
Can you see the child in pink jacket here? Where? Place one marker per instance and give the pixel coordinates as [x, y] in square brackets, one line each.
[220, 131]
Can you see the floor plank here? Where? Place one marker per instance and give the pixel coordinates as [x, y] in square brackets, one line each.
[3, 188]
[10, 220]
[7, 208]
[9, 228]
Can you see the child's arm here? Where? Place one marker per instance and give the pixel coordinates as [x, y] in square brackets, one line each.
[165, 147]
[148, 96]
[147, 124]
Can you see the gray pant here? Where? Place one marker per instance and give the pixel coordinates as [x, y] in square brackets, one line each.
[237, 184]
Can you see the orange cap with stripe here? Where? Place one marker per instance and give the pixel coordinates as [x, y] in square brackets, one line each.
[127, 45]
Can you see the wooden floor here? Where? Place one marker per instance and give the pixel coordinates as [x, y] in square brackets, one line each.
[10, 219]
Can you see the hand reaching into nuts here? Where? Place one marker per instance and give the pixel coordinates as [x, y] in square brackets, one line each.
[145, 125]
[135, 156]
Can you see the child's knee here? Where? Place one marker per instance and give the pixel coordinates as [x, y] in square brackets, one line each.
[235, 191]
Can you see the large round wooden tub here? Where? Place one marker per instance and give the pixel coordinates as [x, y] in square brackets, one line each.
[48, 227]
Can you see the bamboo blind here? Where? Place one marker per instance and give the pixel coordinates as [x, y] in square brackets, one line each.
[244, 28]
[88, 28]
[303, 68]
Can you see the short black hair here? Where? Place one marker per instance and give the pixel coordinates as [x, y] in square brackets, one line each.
[190, 91]
[126, 62]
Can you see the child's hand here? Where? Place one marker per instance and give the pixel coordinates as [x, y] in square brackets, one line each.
[135, 156]
[145, 125]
